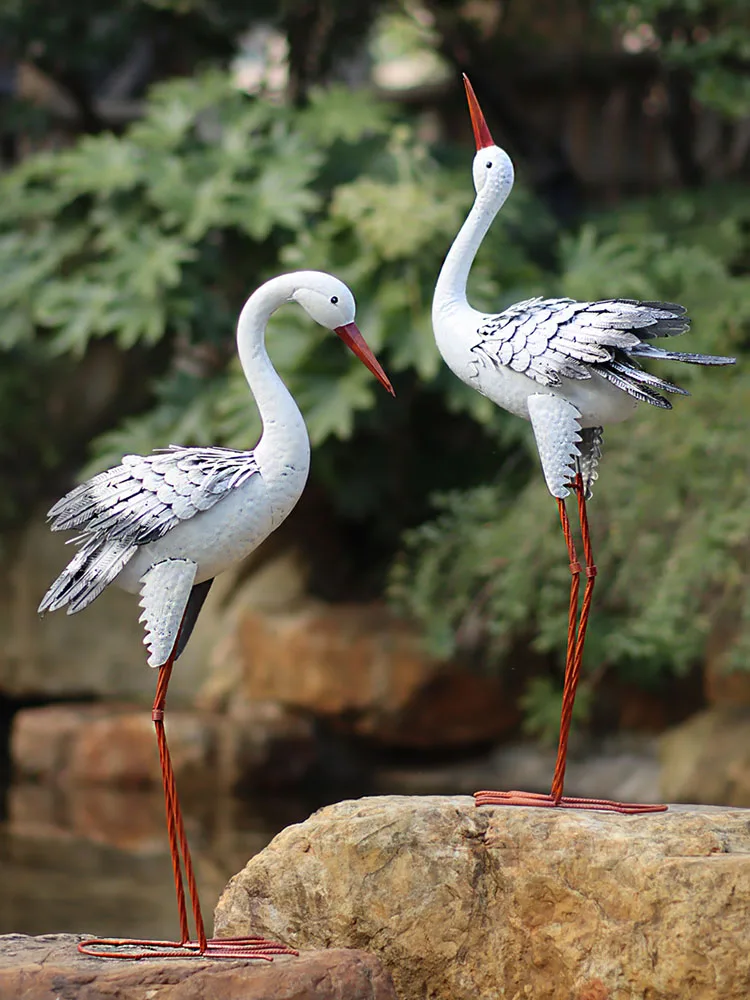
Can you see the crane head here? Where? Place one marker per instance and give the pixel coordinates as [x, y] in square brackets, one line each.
[492, 170]
[329, 302]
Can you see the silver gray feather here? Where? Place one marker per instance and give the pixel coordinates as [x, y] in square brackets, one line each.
[556, 425]
[552, 339]
[132, 504]
[165, 592]
[591, 452]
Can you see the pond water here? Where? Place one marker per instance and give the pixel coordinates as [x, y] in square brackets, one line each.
[96, 861]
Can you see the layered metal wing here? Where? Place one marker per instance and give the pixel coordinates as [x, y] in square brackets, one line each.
[552, 339]
[133, 504]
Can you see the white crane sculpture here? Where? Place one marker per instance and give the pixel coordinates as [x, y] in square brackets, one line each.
[569, 368]
[164, 525]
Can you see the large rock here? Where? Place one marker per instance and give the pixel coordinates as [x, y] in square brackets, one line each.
[462, 903]
[707, 758]
[260, 638]
[722, 685]
[356, 665]
[48, 967]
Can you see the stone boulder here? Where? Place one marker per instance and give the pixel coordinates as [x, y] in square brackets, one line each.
[707, 758]
[722, 685]
[358, 666]
[44, 967]
[462, 903]
[115, 746]
[260, 638]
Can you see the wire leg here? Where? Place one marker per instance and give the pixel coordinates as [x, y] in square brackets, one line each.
[175, 825]
[246, 947]
[573, 663]
[574, 653]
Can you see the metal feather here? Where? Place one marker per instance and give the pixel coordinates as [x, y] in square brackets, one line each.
[552, 339]
[165, 592]
[133, 504]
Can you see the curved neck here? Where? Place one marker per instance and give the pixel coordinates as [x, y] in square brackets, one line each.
[283, 426]
[450, 290]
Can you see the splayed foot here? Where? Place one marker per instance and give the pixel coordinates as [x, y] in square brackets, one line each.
[235, 948]
[548, 801]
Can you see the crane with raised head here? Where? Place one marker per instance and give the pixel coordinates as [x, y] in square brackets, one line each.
[164, 525]
[569, 368]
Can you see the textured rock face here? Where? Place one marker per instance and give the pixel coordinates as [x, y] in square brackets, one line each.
[462, 903]
[115, 746]
[366, 668]
[49, 967]
[707, 758]
[365, 671]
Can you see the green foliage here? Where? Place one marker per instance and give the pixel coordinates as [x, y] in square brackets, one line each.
[154, 238]
[708, 41]
[541, 704]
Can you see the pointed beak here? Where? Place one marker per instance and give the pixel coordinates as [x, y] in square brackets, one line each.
[482, 135]
[358, 345]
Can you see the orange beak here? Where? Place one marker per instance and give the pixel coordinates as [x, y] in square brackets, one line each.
[482, 135]
[358, 345]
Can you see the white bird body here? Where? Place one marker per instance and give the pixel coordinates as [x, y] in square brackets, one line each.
[213, 540]
[569, 367]
[459, 342]
[192, 513]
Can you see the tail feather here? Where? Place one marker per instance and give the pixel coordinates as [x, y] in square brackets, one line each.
[91, 569]
[639, 374]
[658, 353]
[622, 377]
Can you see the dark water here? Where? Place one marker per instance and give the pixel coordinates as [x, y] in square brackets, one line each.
[96, 861]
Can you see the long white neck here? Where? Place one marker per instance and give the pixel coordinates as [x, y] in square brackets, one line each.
[450, 290]
[284, 432]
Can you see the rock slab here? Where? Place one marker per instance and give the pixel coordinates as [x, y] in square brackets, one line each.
[113, 745]
[50, 968]
[511, 903]
[707, 758]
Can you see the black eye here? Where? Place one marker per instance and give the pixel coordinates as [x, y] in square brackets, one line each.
[334, 299]
[488, 164]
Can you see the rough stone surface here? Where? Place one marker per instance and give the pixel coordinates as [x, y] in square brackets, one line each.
[723, 686]
[50, 968]
[707, 758]
[462, 903]
[114, 745]
[365, 670]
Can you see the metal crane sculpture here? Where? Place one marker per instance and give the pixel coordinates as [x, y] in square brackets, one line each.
[569, 368]
[164, 525]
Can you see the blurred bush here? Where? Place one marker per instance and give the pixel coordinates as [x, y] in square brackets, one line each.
[671, 510]
[151, 236]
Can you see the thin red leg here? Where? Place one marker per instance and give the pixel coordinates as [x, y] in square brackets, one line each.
[575, 648]
[175, 825]
[248, 947]
[573, 663]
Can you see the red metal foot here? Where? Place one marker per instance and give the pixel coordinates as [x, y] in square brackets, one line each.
[566, 802]
[235, 948]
